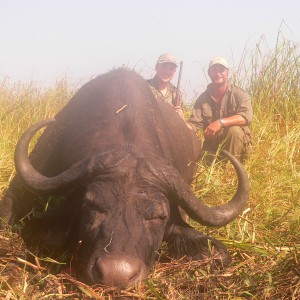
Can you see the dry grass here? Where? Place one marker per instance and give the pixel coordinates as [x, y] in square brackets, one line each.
[264, 241]
[258, 271]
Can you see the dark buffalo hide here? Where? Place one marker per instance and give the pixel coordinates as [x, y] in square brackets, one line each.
[106, 179]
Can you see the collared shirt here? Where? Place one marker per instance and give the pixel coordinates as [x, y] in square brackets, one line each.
[235, 102]
[169, 97]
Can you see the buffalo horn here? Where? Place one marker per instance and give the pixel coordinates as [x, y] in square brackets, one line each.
[38, 182]
[203, 214]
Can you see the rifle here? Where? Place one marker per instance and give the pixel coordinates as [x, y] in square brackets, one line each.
[177, 98]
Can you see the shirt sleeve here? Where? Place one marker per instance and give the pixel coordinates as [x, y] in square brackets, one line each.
[196, 120]
[245, 108]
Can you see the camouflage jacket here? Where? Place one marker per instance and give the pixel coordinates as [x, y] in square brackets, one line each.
[170, 96]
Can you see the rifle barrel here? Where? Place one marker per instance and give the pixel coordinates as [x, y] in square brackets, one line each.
[178, 84]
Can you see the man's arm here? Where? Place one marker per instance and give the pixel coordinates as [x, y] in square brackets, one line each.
[195, 121]
[217, 125]
[242, 117]
[245, 109]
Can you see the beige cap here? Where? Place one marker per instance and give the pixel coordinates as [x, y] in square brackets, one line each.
[167, 57]
[219, 61]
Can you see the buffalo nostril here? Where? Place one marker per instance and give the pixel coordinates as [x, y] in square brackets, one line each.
[120, 271]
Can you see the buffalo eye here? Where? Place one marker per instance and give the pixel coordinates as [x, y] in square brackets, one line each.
[152, 214]
[152, 208]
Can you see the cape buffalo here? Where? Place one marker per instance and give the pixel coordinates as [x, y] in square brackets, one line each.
[106, 179]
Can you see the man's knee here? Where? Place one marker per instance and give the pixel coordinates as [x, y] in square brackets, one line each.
[235, 132]
[234, 141]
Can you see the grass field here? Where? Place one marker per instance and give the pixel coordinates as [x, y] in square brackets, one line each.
[264, 241]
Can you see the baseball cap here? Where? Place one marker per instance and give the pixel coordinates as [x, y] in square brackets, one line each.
[167, 57]
[219, 61]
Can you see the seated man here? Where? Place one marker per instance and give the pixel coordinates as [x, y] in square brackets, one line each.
[161, 85]
[223, 112]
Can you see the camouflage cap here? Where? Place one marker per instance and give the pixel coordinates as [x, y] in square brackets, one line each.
[167, 57]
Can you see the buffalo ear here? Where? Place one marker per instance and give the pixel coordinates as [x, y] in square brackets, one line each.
[47, 233]
[56, 228]
[188, 243]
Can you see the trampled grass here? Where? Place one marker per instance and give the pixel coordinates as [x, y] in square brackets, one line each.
[264, 241]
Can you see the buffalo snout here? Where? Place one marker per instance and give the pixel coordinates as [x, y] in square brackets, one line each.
[118, 270]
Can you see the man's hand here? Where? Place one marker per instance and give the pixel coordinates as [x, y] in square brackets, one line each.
[179, 110]
[212, 129]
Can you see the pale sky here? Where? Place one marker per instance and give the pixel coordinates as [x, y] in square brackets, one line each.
[44, 41]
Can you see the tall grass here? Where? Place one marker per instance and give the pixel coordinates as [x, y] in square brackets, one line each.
[20, 106]
[275, 89]
[264, 241]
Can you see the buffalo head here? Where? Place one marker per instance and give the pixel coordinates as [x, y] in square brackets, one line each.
[119, 209]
